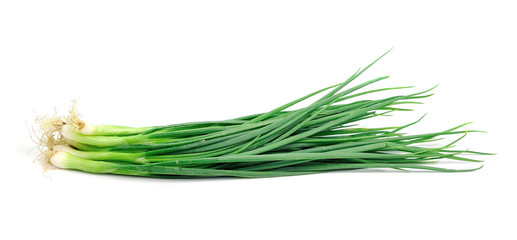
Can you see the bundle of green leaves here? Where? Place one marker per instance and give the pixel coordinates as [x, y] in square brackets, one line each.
[324, 136]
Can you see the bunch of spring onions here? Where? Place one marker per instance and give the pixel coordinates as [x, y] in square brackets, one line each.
[324, 136]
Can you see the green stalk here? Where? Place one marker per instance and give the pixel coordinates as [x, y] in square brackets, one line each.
[67, 161]
[137, 158]
[99, 141]
[106, 130]
[349, 166]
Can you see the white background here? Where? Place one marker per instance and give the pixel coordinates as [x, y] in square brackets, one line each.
[142, 63]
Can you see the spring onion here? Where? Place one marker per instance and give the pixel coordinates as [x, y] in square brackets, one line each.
[324, 136]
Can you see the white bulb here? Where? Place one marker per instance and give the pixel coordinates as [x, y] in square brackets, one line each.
[59, 159]
[87, 129]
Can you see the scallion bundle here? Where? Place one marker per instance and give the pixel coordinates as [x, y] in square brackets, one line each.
[324, 136]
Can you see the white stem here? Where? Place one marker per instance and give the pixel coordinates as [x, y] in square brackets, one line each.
[59, 159]
[87, 129]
